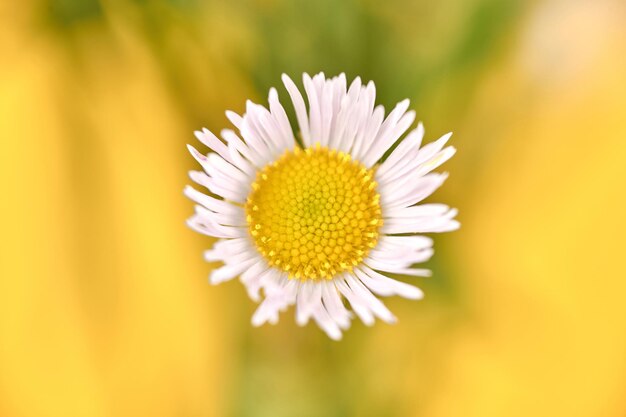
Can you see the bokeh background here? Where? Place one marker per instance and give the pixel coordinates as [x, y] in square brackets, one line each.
[105, 309]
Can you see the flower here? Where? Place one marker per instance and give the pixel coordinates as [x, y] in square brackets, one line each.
[322, 218]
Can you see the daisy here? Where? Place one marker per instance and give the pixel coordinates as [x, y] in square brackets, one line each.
[319, 220]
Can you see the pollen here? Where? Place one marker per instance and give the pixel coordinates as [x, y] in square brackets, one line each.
[314, 213]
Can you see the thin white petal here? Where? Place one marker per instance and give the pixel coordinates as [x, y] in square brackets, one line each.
[315, 117]
[419, 190]
[432, 224]
[282, 294]
[225, 249]
[354, 115]
[386, 286]
[325, 321]
[300, 108]
[228, 272]
[234, 118]
[212, 142]
[280, 116]
[409, 144]
[332, 302]
[308, 295]
[210, 203]
[373, 125]
[370, 300]
[249, 153]
[237, 219]
[252, 278]
[384, 143]
[358, 306]
[422, 210]
[385, 135]
[395, 265]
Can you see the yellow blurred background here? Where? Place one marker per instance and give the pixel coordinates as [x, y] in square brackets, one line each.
[105, 309]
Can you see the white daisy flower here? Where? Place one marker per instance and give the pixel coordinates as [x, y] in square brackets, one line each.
[320, 219]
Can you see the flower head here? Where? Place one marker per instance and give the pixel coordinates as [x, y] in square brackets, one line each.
[324, 217]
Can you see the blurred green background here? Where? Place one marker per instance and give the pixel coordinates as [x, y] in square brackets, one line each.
[104, 305]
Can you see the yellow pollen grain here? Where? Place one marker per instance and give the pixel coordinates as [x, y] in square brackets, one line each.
[314, 213]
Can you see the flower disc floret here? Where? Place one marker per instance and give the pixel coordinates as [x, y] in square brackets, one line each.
[314, 213]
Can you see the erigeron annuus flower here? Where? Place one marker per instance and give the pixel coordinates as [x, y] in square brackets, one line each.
[318, 220]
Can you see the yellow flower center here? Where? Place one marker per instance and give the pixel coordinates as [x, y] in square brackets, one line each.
[314, 213]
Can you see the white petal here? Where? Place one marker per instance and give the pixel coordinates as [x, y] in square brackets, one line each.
[419, 190]
[252, 278]
[325, 321]
[399, 258]
[385, 136]
[237, 220]
[327, 112]
[332, 302]
[218, 168]
[429, 150]
[348, 120]
[240, 162]
[283, 294]
[229, 272]
[227, 189]
[245, 150]
[339, 93]
[396, 243]
[256, 143]
[280, 116]
[390, 265]
[234, 118]
[386, 286]
[224, 249]
[422, 210]
[309, 304]
[308, 295]
[432, 224]
[209, 228]
[436, 161]
[358, 306]
[315, 117]
[211, 141]
[300, 108]
[362, 143]
[370, 300]
[213, 204]
[384, 143]
[424, 161]
[401, 155]
[196, 225]
[266, 128]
